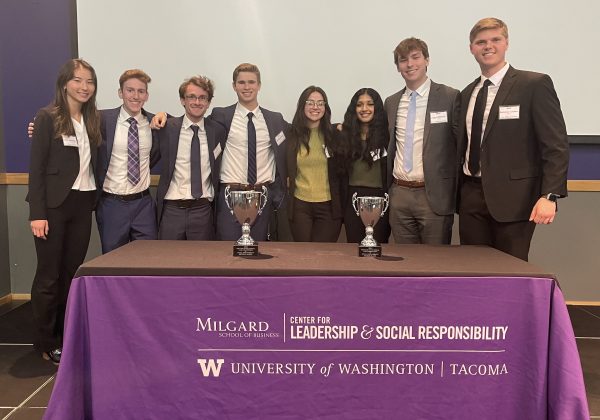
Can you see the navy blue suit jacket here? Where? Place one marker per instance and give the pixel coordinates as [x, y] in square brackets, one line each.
[169, 144]
[275, 124]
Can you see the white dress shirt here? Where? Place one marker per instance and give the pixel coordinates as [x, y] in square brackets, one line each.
[85, 179]
[234, 166]
[181, 186]
[416, 174]
[116, 181]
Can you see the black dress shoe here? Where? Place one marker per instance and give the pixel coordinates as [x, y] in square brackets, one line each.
[53, 356]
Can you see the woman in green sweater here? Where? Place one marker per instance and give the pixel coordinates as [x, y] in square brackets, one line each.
[315, 203]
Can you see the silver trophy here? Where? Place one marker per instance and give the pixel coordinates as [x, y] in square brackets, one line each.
[245, 207]
[370, 209]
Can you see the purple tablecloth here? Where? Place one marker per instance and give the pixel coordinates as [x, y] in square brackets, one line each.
[318, 347]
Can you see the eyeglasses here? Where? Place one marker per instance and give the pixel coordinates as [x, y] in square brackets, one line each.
[318, 104]
[194, 98]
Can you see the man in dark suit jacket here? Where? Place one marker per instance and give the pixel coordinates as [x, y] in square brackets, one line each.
[269, 154]
[422, 178]
[191, 148]
[513, 145]
[126, 211]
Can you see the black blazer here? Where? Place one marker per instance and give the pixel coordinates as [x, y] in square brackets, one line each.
[53, 167]
[522, 158]
[169, 143]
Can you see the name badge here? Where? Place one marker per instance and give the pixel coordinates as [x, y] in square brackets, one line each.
[217, 150]
[70, 141]
[280, 138]
[509, 112]
[438, 117]
[378, 154]
[327, 154]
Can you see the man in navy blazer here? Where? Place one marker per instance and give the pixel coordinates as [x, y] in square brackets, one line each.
[191, 148]
[269, 154]
[422, 193]
[126, 211]
[513, 147]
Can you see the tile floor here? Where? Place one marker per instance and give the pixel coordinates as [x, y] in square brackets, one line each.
[26, 379]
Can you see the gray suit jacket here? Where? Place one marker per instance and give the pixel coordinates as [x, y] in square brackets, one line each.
[275, 124]
[169, 143]
[440, 161]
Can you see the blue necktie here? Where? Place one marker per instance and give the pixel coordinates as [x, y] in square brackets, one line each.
[251, 150]
[195, 170]
[409, 133]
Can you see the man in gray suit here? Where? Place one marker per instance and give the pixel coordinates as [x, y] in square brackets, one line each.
[422, 178]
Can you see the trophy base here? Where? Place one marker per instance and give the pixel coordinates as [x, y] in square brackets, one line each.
[245, 250]
[369, 251]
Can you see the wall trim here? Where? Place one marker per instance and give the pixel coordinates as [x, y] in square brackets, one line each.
[590, 185]
[582, 303]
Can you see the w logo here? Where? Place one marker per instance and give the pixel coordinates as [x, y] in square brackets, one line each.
[210, 368]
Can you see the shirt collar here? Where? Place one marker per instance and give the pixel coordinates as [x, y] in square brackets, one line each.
[124, 116]
[421, 90]
[497, 77]
[187, 123]
[244, 111]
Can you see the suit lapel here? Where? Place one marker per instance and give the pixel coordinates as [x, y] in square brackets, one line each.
[505, 86]
[270, 127]
[392, 117]
[433, 102]
[211, 141]
[173, 136]
[111, 126]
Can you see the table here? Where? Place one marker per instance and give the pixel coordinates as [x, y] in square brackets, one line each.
[169, 330]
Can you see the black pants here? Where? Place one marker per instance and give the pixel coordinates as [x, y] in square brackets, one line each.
[58, 257]
[478, 227]
[314, 222]
[355, 229]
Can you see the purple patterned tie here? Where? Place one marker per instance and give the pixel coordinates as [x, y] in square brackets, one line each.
[133, 152]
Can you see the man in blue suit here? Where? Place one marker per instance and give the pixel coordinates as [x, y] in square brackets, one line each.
[191, 148]
[254, 154]
[126, 211]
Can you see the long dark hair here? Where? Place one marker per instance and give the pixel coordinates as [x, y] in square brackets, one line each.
[60, 111]
[378, 135]
[299, 130]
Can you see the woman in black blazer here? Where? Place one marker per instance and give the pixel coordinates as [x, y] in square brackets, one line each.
[62, 193]
[312, 151]
[365, 132]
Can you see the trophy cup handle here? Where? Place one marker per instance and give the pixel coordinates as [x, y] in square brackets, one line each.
[263, 199]
[354, 200]
[227, 195]
[387, 203]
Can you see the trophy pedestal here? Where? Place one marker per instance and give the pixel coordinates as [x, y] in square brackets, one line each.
[245, 250]
[369, 251]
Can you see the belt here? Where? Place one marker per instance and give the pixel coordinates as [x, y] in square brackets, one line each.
[245, 187]
[409, 184]
[127, 197]
[188, 204]
[473, 179]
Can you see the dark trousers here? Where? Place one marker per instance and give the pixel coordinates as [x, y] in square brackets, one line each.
[120, 222]
[194, 223]
[413, 221]
[478, 227]
[314, 222]
[355, 229]
[58, 257]
[229, 229]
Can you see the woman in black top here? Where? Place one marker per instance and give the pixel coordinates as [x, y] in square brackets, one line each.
[365, 132]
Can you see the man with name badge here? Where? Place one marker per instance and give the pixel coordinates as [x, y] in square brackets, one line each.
[422, 122]
[191, 148]
[513, 146]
